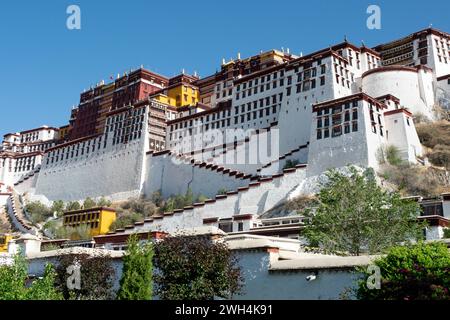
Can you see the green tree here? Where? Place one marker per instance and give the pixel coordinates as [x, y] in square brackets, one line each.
[89, 203]
[195, 268]
[103, 202]
[74, 205]
[416, 272]
[44, 288]
[13, 282]
[137, 272]
[58, 207]
[354, 215]
[38, 211]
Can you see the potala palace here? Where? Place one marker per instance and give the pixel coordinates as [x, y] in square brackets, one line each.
[234, 130]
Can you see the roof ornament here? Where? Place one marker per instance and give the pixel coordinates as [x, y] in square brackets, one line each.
[345, 38]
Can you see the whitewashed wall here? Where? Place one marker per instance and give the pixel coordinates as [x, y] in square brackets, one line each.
[173, 176]
[262, 284]
[403, 136]
[413, 88]
[255, 200]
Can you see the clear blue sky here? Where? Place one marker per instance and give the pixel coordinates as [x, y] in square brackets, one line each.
[44, 66]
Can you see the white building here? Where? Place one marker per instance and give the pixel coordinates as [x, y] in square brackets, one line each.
[334, 107]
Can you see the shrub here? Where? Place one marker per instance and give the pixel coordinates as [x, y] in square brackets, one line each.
[89, 203]
[82, 232]
[440, 155]
[417, 272]
[195, 268]
[13, 282]
[97, 276]
[290, 164]
[38, 212]
[74, 205]
[136, 282]
[393, 156]
[125, 219]
[413, 180]
[222, 191]
[447, 233]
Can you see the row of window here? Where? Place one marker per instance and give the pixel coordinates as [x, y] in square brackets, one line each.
[337, 131]
[82, 217]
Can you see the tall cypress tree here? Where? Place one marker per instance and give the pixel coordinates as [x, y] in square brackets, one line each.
[136, 282]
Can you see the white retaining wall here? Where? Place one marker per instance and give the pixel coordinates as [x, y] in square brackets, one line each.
[255, 199]
[115, 173]
[171, 176]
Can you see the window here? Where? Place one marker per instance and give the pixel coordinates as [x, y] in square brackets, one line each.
[337, 131]
[355, 114]
[319, 123]
[322, 81]
[240, 226]
[226, 226]
[326, 133]
[288, 91]
[354, 126]
[347, 129]
[319, 134]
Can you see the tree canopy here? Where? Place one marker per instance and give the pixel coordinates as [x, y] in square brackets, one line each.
[354, 215]
[416, 272]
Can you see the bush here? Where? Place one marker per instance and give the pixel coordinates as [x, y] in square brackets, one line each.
[393, 156]
[89, 203]
[38, 212]
[447, 233]
[82, 232]
[74, 205]
[413, 180]
[195, 268]
[13, 282]
[180, 201]
[290, 164]
[125, 219]
[417, 272]
[97, 276]
[440, 156]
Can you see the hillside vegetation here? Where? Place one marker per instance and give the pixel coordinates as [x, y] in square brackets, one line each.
[411, 180]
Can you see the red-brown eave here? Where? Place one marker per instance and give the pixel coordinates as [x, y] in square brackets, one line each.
[436, 220]
[199, 114]
[123, 237]
[89, 210]
[357, 96]
[389, 97]
[443, 77]
[401, 110]
[39, 129]
[413, 36]
[69, 143]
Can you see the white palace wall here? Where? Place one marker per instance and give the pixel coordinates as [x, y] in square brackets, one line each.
[173, 175]
[414, 87]
[254, 199]
[115, 173]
